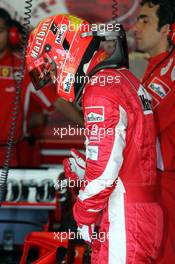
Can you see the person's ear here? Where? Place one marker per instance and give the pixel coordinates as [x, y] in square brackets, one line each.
[165, 29]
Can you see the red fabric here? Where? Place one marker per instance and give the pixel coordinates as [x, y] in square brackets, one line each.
[8, 67]
[164, 114]
[13, 161]
[163, 79]
[117, 162]
[166, 197]
[69, 174]
[142, 246]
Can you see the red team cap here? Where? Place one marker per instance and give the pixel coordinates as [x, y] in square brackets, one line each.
[56, 43]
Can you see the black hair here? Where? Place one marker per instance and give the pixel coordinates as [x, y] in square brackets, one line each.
[6, 17]
[165, 11]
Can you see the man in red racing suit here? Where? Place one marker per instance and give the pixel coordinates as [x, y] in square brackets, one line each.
[120, 177]
[152, 31]
[162, 89]
[118, 190]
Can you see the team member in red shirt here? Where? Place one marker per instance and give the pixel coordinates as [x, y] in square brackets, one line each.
[120, 167]
[155, 35]
[47, 98]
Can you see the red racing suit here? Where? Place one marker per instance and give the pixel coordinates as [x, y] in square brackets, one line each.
[159, 80]
[9, 66]
[120, 177]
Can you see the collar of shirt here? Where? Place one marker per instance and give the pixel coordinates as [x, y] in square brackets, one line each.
[158, 58]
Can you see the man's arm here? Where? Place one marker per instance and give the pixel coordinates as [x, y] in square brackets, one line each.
[105, 123]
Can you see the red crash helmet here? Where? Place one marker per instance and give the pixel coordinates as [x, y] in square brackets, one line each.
[56, 46]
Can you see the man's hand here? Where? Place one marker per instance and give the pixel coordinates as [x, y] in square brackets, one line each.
[74, 167]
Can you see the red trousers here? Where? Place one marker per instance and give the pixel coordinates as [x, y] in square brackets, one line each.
[132, 236]
[167, 201]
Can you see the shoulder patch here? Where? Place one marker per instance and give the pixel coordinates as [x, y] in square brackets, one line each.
[94, 114]
[158, 87]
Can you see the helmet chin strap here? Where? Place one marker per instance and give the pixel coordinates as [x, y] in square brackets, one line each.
[118, 59]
